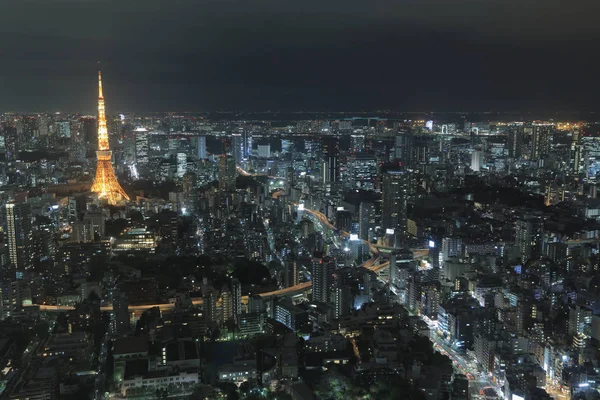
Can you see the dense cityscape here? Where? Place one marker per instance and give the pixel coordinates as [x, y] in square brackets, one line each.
[298, 256]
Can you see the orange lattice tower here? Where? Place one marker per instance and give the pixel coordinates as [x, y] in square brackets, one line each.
[105, 183]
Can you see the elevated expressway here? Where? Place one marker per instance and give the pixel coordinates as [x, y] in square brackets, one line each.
[373, 264]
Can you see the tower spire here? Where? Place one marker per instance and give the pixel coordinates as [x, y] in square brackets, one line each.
[105, 184]
[100, 96]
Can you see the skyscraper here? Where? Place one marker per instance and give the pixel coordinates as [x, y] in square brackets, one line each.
[291, 273]
[366, 217]
[515, 141]
[181, 164]
[141, 148]
[227, 172]
[236, 294]
[394, 200]
[529, 232]
[404, 147]
[237, 147]
[476, 160]
[331, 159]
[20, 234]
[576, 150]
[540, 140]
[322, 278]
[105, 184]
[201, 147]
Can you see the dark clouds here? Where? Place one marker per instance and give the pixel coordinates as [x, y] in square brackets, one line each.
[327, 54]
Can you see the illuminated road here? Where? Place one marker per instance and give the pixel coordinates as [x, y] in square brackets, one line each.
[371, 264]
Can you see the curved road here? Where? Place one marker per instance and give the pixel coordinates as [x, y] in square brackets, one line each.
[372, 264]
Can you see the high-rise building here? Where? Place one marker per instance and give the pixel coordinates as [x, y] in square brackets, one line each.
[19, 234]
[236, 297]
[181, 164]
[576, 151]
[237, 147]
[291, 273]
[201, 147]
[515, 141]
[210, 297]
[227, 173]
[529, 232]
[141, 148]
[90, 132]
[394, 200]
[331, 159]
[322, 276]
[366, 217]
[580, 321]
[476, 160]
[105, 183]
[404, 147]
[343, 220]
[541, 138]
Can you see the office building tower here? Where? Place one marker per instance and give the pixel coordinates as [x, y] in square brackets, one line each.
[19, 234]
[90, 132]
[201, 147]
[181, 164]
[236, 300]
[541, 138]
[322, 275]
[421, 149]
[343, 220]
[366, 217]
[227, 173]
[580, 321]
[141, 148]
[287, 146]
[248, 143]
[341, 297]
[476, 160]
[394, 200]
[576, 151]
[331, 159]
[529, 233]
[515, 142]
[237, 147]
[226, 305]
[105, 183]
[210, 297]
[291, 273]
[404, 147]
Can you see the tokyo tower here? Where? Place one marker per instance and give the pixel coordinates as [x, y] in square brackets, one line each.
[105, 183]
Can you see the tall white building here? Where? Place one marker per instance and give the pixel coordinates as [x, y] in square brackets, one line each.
[181, 164]
[476, 160]
[141, 147]
[19, 234]
[201, 147]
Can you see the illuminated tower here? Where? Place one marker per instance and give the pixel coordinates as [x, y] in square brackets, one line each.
[105, 183]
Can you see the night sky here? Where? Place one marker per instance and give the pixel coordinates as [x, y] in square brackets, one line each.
[200, 55]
